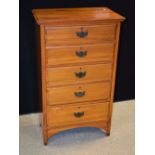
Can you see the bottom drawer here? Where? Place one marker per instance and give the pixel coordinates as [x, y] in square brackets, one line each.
[74, 114]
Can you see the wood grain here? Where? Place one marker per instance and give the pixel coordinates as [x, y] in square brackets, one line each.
[113, 77]
[69, 100]
[60, 36]
[67, 54]
[64, 115]
[43, 81]
[97, 124]
[78, 16]
[69, 75]
[66, 94]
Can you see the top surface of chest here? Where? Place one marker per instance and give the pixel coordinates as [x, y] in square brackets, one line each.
[62, 16]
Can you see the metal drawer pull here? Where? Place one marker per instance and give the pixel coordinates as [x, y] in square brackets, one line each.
[80, 74]
[79, 94]
[79, 114]
[81, 54]
[82, 34]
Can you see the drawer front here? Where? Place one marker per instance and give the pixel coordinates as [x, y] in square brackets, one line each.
[78, 93]
[77, 54]
[78, 74]
[74, 114]
[79, 35]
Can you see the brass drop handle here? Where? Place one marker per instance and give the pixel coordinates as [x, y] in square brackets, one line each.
[79, 94]
[81, 53]
[82, 34]
[79, 114]
[80, 74]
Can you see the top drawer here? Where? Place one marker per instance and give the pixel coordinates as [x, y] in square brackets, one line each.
[78, 35]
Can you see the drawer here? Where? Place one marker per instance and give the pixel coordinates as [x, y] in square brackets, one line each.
[78, 74]
[78, 35]
[74, 114]
[78, 93]
[77, 54]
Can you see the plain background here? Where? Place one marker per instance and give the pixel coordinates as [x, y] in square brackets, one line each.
[125, 82]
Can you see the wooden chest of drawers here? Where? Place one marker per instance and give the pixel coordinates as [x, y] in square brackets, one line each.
[78, 57]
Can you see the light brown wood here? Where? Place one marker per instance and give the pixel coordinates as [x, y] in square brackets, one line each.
[113, 77]
[68, 54]
[76, 16]
[60, 36]
[65, 115]
[79, 49]
[97, 124]
[70, 75]
[66, 94]
[43, 81]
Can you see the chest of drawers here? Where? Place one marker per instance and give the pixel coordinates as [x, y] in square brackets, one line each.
[78, 57]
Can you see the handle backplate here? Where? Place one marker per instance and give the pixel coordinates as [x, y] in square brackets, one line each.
[79, 114]
[82, 34]
[81, 53]
[79, 94]
[80, 74]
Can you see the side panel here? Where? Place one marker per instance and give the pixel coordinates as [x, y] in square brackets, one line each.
[43, 80]
[113, 75]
